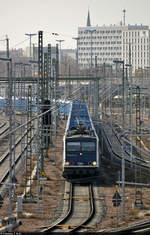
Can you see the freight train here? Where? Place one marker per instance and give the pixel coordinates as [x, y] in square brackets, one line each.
[81, 143]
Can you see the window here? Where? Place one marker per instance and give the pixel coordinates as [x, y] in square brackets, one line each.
[88, 146]
[81, 146]
[73, 146]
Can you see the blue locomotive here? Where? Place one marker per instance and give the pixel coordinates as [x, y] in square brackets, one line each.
[81, 143]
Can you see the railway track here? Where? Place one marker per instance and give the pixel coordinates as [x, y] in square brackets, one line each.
[3, 125]
[81, 209]
[139, 228]
[4, 136]
[138, 161]
[4, 160]
[4, 130]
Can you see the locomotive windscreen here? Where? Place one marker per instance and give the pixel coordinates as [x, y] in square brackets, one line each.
[81, 146]
[73, 146]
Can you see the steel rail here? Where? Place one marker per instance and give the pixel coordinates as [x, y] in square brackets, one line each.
[92, 211]
[64, 219]
[5, 176]
[3, 124]
[70, 211]
[143, 162]
[6, 154]
[3, 131]
[132, 229]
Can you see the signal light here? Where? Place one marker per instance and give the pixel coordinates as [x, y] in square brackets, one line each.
[67, 163]
[94, 163]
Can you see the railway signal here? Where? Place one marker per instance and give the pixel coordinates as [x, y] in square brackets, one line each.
[42, 178]
[116, 200]
[42, 174]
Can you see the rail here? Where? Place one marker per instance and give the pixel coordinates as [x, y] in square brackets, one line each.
[5, 176]
[63, 223]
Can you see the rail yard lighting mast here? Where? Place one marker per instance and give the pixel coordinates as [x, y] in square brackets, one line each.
[30, 35]
[123, 92]
[77, 39]
[131, 111]
[60, 55]
[123, 172]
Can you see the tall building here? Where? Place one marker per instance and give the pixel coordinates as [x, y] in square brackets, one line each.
[136, 46]
[130, 43]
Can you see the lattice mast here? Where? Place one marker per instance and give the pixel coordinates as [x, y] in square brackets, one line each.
[46, 119]
[138, 193]
[41, 86]
[28, 188]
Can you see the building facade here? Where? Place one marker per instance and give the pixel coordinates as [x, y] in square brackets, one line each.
[136, 45]
[115, 42]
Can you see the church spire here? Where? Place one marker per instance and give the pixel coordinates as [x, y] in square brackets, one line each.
[88, 19]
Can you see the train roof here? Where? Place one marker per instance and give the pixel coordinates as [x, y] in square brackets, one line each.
[79, 118]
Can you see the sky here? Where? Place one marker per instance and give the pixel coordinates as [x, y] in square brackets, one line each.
[18, 17]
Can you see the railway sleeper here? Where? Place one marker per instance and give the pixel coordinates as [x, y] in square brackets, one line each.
[71, 226]
[81, 198]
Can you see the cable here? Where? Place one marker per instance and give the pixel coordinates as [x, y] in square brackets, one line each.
[20, 43]
[40, 115]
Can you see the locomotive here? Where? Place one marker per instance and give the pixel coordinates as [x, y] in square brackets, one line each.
[81, 143]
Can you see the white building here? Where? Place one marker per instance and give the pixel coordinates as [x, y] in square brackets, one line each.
[115, 42]
[136, 42]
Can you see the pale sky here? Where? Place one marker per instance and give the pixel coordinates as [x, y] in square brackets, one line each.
[18, 17]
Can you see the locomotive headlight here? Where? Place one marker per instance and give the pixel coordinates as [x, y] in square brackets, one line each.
[67, 163]
[94, 163]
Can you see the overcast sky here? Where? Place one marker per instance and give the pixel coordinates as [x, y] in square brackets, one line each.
[18, 17]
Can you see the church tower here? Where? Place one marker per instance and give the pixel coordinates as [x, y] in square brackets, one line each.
[88, 19]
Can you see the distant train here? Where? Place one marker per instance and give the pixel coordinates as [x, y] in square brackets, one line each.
[81, 143]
